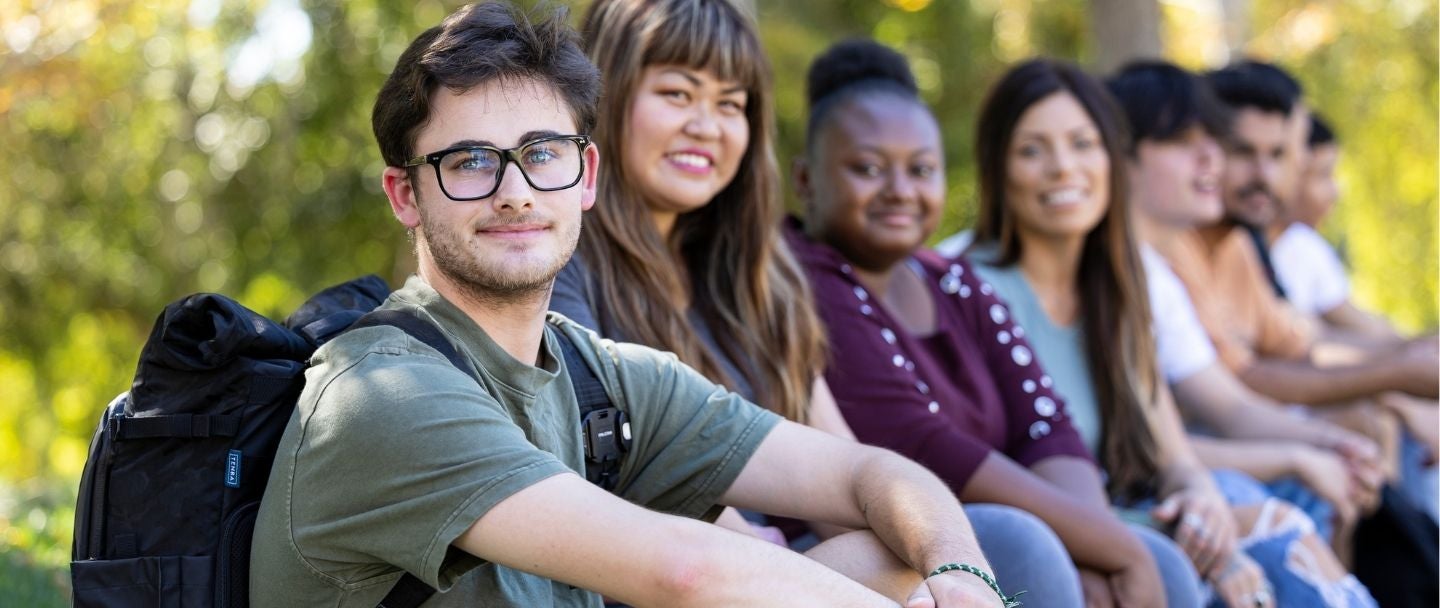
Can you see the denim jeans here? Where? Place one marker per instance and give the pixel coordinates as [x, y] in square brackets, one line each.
[1288, 564]
[1026, 555]
[1418, 481]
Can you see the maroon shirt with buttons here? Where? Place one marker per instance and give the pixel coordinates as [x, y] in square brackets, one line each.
[945, 400]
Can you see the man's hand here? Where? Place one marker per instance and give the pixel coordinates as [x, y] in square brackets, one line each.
[954, 589]
[1206, 527]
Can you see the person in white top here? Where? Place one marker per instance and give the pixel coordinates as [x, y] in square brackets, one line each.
[1175, 166]
[1316, 283]
[1307, 266]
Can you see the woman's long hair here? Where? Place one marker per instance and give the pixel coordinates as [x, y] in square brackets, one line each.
[1114, 305]
[727, 259]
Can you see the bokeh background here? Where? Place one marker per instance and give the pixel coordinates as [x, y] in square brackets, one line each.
[154, 148]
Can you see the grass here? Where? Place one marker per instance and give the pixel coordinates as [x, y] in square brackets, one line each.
[36, 524]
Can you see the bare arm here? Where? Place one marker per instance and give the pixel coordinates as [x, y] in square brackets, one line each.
[1263, 460]
[825, 415]
[1303, 382]
[645, 558]
[1217, 399]
[804, 473]
[800, 472]
[1347, 317]
[825, 412]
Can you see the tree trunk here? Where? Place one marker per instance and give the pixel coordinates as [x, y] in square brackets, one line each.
[1124, 30]
[1236, 15]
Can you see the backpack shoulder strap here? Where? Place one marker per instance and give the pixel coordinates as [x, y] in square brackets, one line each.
[603, 427]
[589, 391]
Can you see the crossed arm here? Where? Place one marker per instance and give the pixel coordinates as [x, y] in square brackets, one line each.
[566, 529]
[1304, 382]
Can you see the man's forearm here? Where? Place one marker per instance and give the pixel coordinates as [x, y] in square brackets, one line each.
[1302, 382]
[1348, 324]
[915, 514]
[721, 568]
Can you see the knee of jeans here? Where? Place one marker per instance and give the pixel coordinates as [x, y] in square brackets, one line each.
[1019, 526]
[1026, 555]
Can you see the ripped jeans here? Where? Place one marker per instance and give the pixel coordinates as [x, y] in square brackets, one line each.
[1275, 544]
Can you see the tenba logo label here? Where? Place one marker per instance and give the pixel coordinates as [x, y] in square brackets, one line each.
[232, 468]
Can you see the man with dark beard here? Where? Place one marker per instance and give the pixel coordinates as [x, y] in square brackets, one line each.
[461, 471]
[1267, 344]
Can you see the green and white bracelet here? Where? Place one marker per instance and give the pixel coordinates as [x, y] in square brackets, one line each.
[1008, 600]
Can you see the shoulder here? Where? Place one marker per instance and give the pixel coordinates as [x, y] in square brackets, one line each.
[627, 370]
[1310, 241]
[368, 374]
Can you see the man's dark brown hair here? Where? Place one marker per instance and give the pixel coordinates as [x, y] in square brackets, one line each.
[476, 44]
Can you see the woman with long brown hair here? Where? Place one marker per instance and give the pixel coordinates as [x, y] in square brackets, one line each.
[683, 252]
[1054, 237]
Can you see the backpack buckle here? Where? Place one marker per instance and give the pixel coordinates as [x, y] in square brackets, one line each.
[607, 434]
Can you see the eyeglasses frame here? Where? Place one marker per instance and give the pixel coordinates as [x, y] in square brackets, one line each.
[507, 156]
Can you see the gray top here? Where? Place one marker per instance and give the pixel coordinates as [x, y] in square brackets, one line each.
[392, 453]
[1058, 347]
[577, 297]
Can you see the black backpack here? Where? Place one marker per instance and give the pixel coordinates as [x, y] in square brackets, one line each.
[1396, 555]
[177, 465]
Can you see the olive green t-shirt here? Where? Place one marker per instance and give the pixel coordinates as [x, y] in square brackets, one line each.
[392, 453]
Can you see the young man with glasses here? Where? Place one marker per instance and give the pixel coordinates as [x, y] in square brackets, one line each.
[397, 461]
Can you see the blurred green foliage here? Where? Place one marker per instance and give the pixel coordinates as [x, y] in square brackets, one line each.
[155, 148]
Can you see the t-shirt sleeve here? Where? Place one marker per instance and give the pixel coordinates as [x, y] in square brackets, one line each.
[1182, 346]
[399, 455]
[1038, 425]
[690, 436]
[574, 295]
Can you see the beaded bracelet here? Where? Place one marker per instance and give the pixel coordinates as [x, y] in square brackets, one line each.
[1008, 601]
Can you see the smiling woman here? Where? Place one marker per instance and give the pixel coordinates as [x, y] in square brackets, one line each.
[683, 251]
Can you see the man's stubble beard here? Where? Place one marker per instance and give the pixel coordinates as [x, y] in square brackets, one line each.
[490, 285]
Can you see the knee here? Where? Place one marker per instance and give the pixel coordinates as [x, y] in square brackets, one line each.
[1003, 529]
[1026, 555]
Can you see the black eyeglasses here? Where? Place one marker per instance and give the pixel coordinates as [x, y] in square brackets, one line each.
[468, 173]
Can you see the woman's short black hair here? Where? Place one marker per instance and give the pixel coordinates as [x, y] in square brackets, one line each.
[1160, 100]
